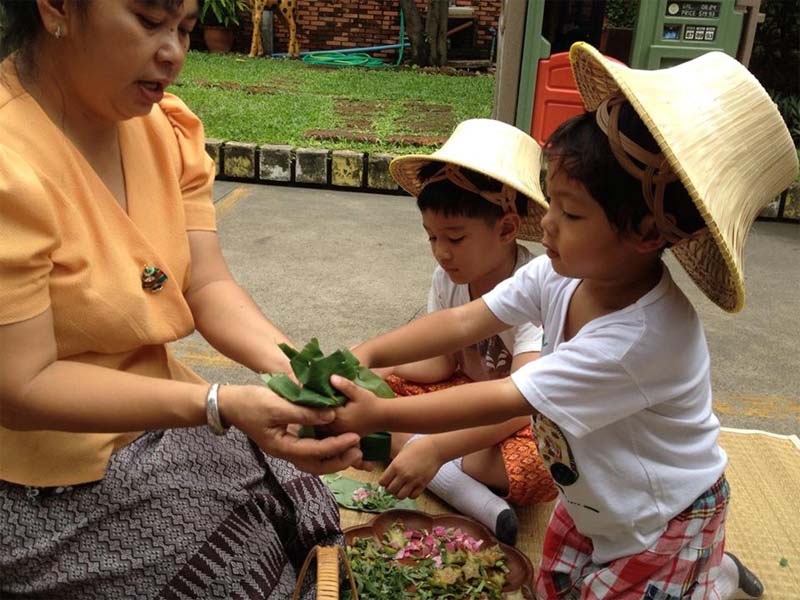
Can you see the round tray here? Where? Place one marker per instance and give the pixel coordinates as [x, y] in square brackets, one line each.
[520, 574]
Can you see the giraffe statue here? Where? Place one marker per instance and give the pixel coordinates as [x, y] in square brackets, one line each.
[286, 8]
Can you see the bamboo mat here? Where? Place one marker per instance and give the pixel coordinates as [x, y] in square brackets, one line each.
[763, 521]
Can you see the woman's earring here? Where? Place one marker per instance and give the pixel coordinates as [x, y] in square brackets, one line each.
[58, 33]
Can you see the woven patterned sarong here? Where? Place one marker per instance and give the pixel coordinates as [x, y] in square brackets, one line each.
[180, 514]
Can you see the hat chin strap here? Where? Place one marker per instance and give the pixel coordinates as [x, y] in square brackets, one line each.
[654, 177]
[505, 198]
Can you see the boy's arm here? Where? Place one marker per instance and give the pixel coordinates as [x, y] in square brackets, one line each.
[452, 444]
[446, 410]
[429, 370]
[435, 334]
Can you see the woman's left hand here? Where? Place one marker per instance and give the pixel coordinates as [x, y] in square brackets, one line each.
[266, 419]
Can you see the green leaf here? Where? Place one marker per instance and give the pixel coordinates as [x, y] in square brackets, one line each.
[376, 446]
[369, 380]
[301, 362]
[380, 500]
[288, 350]
[318, 377]
[309, 397]
[314, 370]
[282, 385]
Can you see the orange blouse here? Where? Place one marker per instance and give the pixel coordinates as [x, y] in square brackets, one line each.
[66, 243]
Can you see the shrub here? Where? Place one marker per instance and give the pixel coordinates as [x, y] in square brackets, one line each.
[776, 52]
[789, 107]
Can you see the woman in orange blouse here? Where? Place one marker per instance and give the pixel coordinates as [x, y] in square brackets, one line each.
[111, 483]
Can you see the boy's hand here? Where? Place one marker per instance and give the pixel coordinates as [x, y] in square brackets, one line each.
[361, 414]
[362, 356]
[412, 469]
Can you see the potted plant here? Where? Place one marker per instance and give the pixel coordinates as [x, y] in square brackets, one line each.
[218, 18]
[619, 23]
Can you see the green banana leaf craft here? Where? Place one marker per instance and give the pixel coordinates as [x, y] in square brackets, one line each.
[364, 497]
[313, 369]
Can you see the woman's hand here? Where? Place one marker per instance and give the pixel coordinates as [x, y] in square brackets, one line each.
[266, 419]
[411, 470]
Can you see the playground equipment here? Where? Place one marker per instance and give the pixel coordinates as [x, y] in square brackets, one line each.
[534, 89]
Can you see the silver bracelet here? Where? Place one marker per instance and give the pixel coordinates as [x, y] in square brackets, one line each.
[213, 419]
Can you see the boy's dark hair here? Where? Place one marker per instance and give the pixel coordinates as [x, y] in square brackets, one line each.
[447, 198]
[584, 153]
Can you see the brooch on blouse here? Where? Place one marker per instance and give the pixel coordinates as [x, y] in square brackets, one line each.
[153, 279]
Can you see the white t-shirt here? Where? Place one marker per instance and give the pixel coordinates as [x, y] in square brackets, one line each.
[490, 358]
[624, 408]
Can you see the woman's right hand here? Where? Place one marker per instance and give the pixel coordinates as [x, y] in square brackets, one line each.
[265, 417]
[412, 469]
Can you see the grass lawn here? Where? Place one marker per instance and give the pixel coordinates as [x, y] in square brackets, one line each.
[283, 101]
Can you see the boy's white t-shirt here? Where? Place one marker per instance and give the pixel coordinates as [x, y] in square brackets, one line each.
[624, 408]
[490, 358]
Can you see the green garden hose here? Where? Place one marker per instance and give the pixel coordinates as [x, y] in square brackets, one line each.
[338, 58]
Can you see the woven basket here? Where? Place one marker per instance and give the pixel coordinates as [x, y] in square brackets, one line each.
[327, 572]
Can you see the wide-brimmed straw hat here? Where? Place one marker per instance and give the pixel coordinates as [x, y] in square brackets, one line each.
[493, 148]
[722, 136]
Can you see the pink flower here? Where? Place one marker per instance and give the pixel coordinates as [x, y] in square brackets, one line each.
[360, 495]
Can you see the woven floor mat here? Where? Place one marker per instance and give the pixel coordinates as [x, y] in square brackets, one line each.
[763, 521]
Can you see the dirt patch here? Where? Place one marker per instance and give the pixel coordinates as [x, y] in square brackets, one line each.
[232, 85]
[426, 124]
[339, 135]
[423, 118]
[358, 115]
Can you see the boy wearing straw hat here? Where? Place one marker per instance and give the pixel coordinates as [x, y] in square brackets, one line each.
[475, 194]
[621, 402]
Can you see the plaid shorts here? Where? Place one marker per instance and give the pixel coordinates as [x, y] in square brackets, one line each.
[682, 564]
[529, 480]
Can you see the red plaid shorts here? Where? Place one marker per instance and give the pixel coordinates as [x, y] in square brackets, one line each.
[682, 564]
[529, 480]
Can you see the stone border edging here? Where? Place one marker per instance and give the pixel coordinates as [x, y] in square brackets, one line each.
[277, 163]
[347, 169]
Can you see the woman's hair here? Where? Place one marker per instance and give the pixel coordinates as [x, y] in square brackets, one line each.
[447, 198]
[20, 22]
[585, 155]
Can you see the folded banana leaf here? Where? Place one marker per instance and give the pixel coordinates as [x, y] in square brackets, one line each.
[378, 500]
[313, 369]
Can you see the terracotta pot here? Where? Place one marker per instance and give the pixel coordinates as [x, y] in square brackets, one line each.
[218, 39]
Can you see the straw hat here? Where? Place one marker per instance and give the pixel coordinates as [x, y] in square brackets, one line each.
[724, 138]
[493, 148]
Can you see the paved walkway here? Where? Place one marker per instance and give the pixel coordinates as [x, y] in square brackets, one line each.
[345, 266]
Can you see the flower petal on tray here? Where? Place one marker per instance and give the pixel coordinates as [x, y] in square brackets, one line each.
[344, 489]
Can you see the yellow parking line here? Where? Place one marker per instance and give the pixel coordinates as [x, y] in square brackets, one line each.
[229, 201]
[205, 358]
[757, 406]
